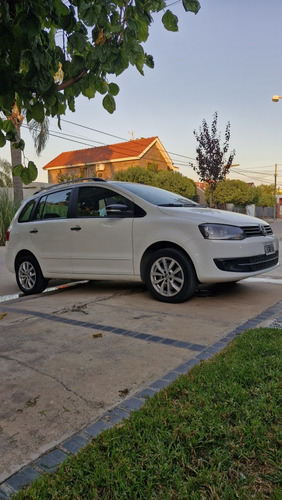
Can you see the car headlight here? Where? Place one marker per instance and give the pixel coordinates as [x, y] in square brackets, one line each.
[221, 232]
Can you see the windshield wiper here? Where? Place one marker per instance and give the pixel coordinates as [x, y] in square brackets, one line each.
[177, 205]
[170, 205]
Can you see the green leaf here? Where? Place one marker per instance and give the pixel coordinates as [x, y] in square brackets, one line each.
[102, 86]
[78, 42]
[76, 66]
[109, 103]
[135, 53]
[19, 145]
[2, 139]
[122, 62]
[113, 89]
[11, 136]
[89, 92]
[170, 21]
[25, 176]
[37, 112]
[8, 126]
[143, 31]
[32, 169]
[71, 103]
[149, 61]
[17, 169]
[191, 6]
[133, 25]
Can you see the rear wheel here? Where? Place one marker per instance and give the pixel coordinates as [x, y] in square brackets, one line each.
[170, 276]
[29, 276]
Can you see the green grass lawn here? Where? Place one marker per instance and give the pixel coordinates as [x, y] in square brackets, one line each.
[213, 433]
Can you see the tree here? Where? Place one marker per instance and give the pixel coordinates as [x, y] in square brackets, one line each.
[212, 166]
[171, 181]
[177, 183]
[15, 120]
[265, 197]
[51, 52]
[136, 174]
[234, 191]
[5, 173]
[267, 188]
[40, 134]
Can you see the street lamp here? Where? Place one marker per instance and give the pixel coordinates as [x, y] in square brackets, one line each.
[276, 98]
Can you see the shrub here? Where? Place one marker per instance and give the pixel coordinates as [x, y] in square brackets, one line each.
[172, 181]
[7, 211]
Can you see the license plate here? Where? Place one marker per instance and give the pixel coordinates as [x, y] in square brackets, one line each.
[269, 249]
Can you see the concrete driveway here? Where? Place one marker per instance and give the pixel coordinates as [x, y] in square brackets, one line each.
[74, 358]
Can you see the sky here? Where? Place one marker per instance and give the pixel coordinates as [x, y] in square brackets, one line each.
[226, 59]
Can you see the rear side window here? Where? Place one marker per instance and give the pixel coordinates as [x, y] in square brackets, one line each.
[26, 211]
[53, 205]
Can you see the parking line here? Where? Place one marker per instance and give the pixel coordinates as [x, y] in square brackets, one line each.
[111, 329]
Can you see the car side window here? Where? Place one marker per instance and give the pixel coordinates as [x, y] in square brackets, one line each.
[53, 205]
[93, 201]
[26, 211]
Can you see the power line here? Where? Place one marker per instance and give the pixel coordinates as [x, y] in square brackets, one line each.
[88, 142]
[94, 130]
[124, 149]
[121, 138]
[251, 176]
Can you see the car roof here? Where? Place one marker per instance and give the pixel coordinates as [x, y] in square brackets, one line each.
[69, 183]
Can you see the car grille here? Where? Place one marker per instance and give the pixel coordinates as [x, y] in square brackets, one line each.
[257, 230]
[247, 264]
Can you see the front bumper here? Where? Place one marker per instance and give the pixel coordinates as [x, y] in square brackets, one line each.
[248, 264]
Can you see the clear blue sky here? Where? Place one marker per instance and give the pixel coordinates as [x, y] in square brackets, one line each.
[227, 58]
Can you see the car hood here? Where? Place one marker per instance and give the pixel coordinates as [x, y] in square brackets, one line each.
[216, 216]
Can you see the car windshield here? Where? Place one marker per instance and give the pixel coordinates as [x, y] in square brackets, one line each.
[157, 196]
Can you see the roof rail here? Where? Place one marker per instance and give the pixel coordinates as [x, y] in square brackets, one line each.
[74, 181]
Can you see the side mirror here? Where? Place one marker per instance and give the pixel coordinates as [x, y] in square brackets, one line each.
[119, 210]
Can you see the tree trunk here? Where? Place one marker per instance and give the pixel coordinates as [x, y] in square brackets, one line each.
[16, 159]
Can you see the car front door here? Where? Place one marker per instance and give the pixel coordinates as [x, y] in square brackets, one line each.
[101, 243]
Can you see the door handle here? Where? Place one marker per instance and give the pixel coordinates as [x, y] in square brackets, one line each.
[33, 231]
[76, 228]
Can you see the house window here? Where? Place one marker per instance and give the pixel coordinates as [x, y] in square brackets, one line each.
[100, 167]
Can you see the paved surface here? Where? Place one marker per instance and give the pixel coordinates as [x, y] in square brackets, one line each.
[77, 360]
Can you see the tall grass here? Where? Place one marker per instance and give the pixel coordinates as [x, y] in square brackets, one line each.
[7, 211]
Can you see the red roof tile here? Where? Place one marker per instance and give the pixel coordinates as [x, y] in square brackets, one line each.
[113, 152]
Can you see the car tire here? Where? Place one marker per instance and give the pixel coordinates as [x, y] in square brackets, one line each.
[29, 277]
[170, 276]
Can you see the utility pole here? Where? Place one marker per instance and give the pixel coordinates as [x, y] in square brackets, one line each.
[224, 168]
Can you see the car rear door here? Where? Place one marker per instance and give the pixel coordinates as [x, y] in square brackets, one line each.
[50, 233]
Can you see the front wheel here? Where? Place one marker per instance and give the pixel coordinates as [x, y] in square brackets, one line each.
[170, 276]
[29, 276]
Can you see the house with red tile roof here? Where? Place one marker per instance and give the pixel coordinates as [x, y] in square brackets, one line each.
[105, 161]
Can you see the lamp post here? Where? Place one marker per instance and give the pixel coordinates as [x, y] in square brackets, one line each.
[276, 98]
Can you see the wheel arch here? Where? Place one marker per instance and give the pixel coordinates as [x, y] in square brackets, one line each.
[158, 246]
[24, 253]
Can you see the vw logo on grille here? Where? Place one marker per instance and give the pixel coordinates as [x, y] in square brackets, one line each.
[263, 230]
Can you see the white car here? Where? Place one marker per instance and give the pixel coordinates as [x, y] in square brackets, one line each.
[95, 229]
